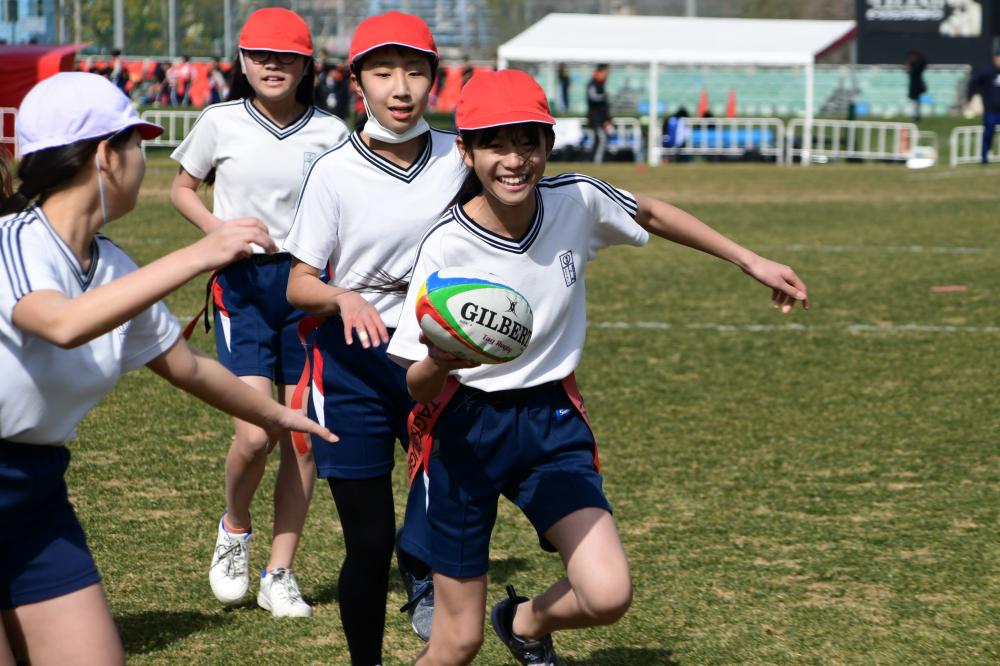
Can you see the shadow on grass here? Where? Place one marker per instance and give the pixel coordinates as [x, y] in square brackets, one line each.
[154, 630]
[622, 656]
[502, 570]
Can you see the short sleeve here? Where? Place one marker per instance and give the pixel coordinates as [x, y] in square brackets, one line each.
[405, 346]
[197, 152]
[150, 334]
[614, 212]
[28, 265]
[316, 223]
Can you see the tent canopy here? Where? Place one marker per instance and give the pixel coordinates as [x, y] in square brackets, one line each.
[24, 65]
[669, 40]
[675, 40]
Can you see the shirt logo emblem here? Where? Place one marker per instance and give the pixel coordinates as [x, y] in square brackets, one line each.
[562, 413]
[568, 267]
[307, 160]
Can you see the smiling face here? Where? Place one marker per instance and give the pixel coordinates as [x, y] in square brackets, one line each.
[396, 84]
[509, 161]
[274, 76]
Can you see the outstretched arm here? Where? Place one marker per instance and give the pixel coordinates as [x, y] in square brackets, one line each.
[676, 225]
[309, 293]
[206, 379]
[70, 322]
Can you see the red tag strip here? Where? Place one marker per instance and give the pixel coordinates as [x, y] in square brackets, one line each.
[306, 327]
[420, 426]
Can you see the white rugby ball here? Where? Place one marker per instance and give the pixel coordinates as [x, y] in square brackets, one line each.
[474, 315]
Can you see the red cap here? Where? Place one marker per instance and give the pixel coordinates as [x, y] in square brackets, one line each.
[507, 97]
[392, 29]
[276, 29]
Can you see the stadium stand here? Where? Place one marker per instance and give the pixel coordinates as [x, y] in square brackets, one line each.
[775, 91]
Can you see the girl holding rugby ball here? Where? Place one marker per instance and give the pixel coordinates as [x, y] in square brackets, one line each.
[519, 428]
[76, 313]
[256, 149]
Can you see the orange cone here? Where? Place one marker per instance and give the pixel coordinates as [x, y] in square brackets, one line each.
[703, 103]
[731, 104]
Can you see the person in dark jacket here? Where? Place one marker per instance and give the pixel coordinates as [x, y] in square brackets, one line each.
[986, 83]
[916, 63]
[598, 114]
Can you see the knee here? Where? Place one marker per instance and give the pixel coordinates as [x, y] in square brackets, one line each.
[608, 602]
[459, 646]
[251, 442]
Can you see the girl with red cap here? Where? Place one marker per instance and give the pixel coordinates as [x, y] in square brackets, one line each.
[75, 314]
[363, 208]
[256, 148]
[520, 428]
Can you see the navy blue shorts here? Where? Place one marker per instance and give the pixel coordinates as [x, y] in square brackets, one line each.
[256, 329]
[531, 446]
[43, 551]
[363, 398]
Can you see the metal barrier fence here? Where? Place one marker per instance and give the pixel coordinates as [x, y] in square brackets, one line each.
[176, 125]
[727, 136]
[8, 121]
[573, 135]
[851, 139]
[966, 145]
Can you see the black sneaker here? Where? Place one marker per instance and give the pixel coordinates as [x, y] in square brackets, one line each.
[419, 596]
[531, 653]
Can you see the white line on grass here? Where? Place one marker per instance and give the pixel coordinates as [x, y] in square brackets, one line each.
[795, 328]
[885, 249]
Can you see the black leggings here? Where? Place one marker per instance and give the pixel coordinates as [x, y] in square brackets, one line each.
[368, 518]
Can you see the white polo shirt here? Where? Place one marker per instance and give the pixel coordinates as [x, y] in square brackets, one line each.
[576, 216]
[46, 390]
[366, 215]
[259, 167]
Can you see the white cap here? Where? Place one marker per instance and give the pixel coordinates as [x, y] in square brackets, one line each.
[73, 106]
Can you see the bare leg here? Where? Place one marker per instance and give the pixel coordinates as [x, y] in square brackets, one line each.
[6, 653]
[597, 589]
[74, 629]
[457, 631]
[292, 493]
[245, 463]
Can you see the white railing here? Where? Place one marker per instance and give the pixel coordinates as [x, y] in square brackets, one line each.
[176, 125]
[728, 136]
[8, 122]
[851, 139]
[967, 144]
[573, 132]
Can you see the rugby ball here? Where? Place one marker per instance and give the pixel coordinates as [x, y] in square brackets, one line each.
[474, 315]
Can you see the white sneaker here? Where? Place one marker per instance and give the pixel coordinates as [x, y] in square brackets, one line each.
[229, 576]
[279, 593]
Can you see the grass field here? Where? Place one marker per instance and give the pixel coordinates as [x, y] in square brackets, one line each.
[821, 488]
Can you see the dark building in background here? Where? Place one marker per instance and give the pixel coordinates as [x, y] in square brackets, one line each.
[947, 32]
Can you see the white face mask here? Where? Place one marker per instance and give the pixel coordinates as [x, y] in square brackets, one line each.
[375, 130]
[100, 188]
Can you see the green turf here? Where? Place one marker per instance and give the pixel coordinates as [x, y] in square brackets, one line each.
[823, 493]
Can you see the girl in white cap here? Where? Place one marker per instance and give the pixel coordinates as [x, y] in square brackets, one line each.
[257, 148]
[75, 313]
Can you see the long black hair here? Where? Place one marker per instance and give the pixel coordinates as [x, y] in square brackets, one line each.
[240, 88]
[475, 138]
[46, 171]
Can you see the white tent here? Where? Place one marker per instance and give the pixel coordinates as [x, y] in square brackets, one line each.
[667, 40]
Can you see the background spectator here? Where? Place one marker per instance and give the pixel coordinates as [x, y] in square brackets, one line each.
[598, 113]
